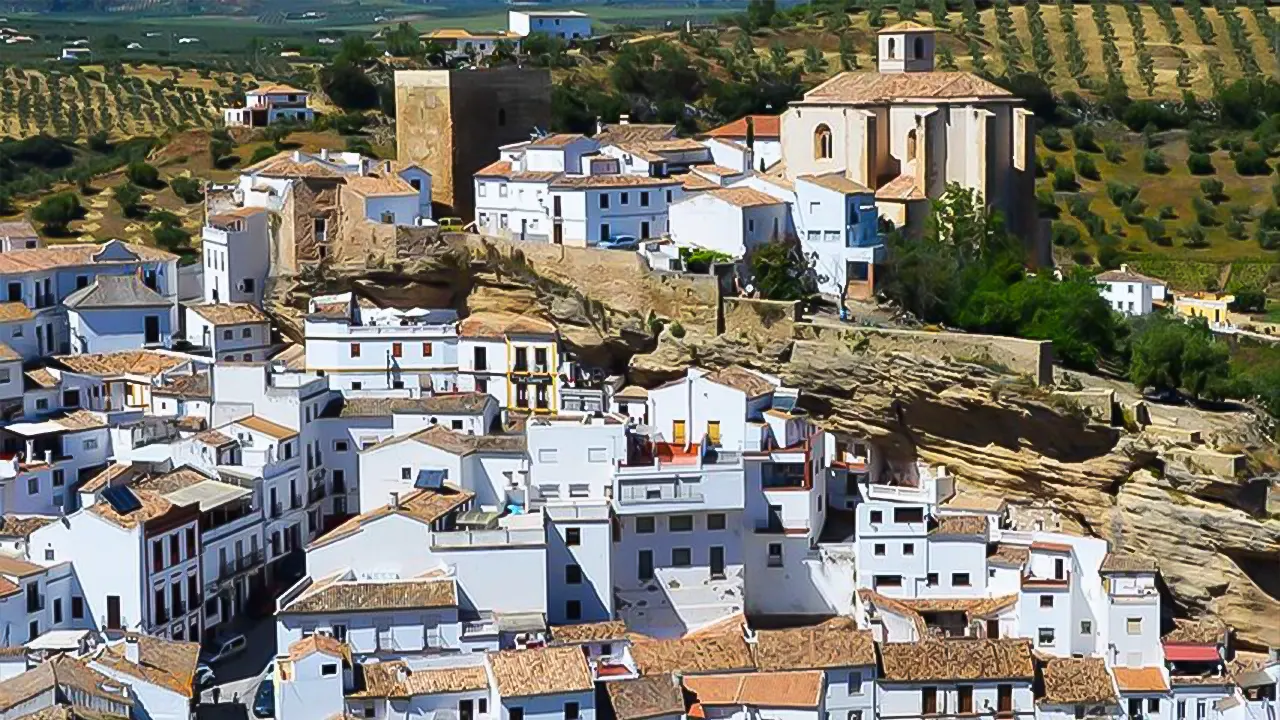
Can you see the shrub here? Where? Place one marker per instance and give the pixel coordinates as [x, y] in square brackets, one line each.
[1064, 179]
[129, 198]
[1153, 162]
[1078, 206]
[1133, 210]
[1066, 235]
[1168, 213]
[1213, 190]
[1206, 214]
[1047, 205]
[1193, 237]
[172, 238]
[98, 142]
[1113, 153]
[1109, 252]
[1200, 164]
[1199, 140]
[1235, 229]
[1049, 163]
[1083, 138]
[1120, 193]
[1086, 168]
[143, 175]
[164, 217]
[187, 188]
[1252, 161]
[349, 123]
[677, 330]
[1052, 139]
[261, 154]
[1154, 229]
[57, 211]
[1249, 300]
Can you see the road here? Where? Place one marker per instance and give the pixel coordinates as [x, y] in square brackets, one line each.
[238, 677]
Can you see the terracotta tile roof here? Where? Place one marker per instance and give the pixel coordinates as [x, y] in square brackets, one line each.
[102, 479]
[172, 481]
[1119, 563]
[906, 26]
[14, 312]
[460, 34]
[380, 185]
[708, 654]
[239, 213]
[1051, 547]
[802, 689]
[379, 595]
[8, 354]
[1140, 680]
[294, 357]
[1124, 274]
[960, 525]
[646, 697]
[634, 132]
[457, 443]
[1072, 681]
[883, 603]
[283, 165]
[540, 671]
[813, 648]
[504, 169]
[607, 631]
[496, 325]
[837, 182]
[71, 712]
[957, 659]
[229, 313]
[632, 392]
[1203, 631]
[462, 403]
[124, 362]
[61, 671]
[317, 643]
[556, 140]
[694, 182]
[744, 197]
[740, 378]
[396, 679]
[81, 420]
[717, 170]
[902, 187]
[975, 503]
[19, 526]
[17, 567]
[610, 181]
[170, 664]
[195, 386]
[278, 89]
[266, 427]
[69, 255]
[18, 229]
[41, 378]
[867, 88]
[1005, 554]
[1195, 680]
[973, 608]
[426, 506]
[115, 291]
[765, 127]
[153, 503]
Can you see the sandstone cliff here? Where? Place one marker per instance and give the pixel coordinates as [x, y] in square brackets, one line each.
[1218, 548]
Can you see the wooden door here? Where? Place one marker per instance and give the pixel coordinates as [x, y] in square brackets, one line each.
[677, 432]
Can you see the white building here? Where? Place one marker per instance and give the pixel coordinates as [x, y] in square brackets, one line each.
[752, 142]
[270, 104]
[1130, 293]
[236, 251]
[229, 331]
[734, 220]
[562, 24]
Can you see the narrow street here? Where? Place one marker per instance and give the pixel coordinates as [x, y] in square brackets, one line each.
[238, 678]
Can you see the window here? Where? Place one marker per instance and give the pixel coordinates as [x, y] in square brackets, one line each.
[822, 147]
[573, 575]
[908, 548]
[453, 424]
[879, 549]
[908, 515]
[191, 542]
[355, 350]
[877, 516]
[1133, 626]
[775, 555]
[1200, 708]
[480, 190]
[892, 581]
[960, 579]
[397, 350]
[426, 349]
[928, 701]
[604, 201]
[1153, 705]
[644, 198]
[246, 333]
[406, 473]
[514, 713]
[329, 669]
[59, 478]
[357, 385]
[716, 521]
[644, 525]
[893, 47]
[77, 608]
[48, 554]
[964, 694]
[668, 196]
[1079, 712]
[247, 284]
[33, 486]
[604, 231]
[1182, 710]
[1086, 627]
[339, 445]
[573, 609]
[1044, 636]
[573, 537]
[1046, 601]
[680, 523]
[571, 711]
[931, 579]
[681, 557]
[548, 455]
[502, 190]
[644, 563]
[625, 198]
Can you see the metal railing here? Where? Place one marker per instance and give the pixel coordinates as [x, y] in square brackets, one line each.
[630, 494]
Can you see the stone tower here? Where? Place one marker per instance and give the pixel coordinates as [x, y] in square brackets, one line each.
[452, 122]
[906, 47]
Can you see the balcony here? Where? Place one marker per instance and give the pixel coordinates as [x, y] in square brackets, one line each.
[276, 510]
[315, 494]
[233, 568]
[665, 493]
[778, 476]
[296, 501]
[479, 628]
[651, 457]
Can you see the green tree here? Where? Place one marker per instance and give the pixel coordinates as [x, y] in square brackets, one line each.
[189, 189]
[57, 211]
[780, 271]
[1249, 300]
[403, 41]
[814, 62]
[848, 54]
[143, 175]
[1169, 355]
[129, 198]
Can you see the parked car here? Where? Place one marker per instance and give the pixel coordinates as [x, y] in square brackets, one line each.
[450, 224]
[620, 242]
[205, 677]
[264, 701]
[220, 649]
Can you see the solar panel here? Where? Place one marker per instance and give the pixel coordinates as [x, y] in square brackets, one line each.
[432, 479]
[121, 499]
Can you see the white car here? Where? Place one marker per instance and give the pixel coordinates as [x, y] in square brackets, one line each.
[224, 649]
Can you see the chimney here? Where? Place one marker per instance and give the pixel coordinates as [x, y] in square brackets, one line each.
[624, 119]
[599, 125]
[395, 501]
[31, 449]
[748, 159]
[751, 132]
[1124, 267]
[324, 153]
[48, 457]
[131, 649]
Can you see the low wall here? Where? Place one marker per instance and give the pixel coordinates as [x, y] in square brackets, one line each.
[1033, 358]
[760, 320]
[1099, 403]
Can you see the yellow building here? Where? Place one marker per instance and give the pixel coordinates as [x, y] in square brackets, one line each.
[1210, 306]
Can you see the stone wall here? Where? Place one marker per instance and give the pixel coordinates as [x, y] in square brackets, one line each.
[1033, 358]
[760, 320]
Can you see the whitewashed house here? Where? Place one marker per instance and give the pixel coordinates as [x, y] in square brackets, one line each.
[562, 24]
[159, 673]
[1129, 292]
[229, 331]
[732, 220]
[270, 104]
[752, 142]
[836, 221]
[514, 358]
[119, 312]
[957, 676]
[235, 248]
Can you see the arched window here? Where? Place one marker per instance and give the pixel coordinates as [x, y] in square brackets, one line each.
[893, 47]
[919, 48]
[822, 143]
[911, 145]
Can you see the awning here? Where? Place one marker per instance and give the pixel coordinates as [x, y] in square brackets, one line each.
[209, 494]
[35, 429]
[1191, 653]
[67, 640]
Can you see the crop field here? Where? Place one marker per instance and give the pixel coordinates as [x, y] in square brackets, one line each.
[147, 100]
